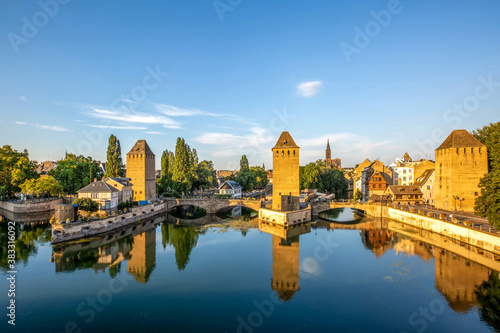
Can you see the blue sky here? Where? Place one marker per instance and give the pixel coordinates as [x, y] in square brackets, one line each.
[376, 77]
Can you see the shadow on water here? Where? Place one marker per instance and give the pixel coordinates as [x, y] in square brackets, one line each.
[187, 212]
[237, 212]
[341, 215]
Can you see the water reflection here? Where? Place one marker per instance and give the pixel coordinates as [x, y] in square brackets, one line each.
[27, 237]
[285, 280]
[183, 238]
[467, 277]
[136, 245]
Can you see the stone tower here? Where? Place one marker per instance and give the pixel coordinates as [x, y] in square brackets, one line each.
[141, 171]
[285, 169]
[461, 161]
[328, 153]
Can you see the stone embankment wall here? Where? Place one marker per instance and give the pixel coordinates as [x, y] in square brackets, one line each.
[68, 231]
[483, 240]
[30, 207]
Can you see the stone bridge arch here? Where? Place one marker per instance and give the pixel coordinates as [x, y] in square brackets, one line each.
[212, 206]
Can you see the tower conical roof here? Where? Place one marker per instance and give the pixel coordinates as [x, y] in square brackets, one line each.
[460, 138]
[141, 147]
[285, 141]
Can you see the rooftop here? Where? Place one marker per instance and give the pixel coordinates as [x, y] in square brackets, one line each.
[98, 187]
[141, 147]
[460, 138]
[285, 141]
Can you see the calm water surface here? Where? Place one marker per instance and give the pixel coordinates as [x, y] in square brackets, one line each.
[237, 275]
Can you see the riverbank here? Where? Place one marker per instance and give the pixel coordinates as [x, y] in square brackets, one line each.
[30, 206]
[71, 231]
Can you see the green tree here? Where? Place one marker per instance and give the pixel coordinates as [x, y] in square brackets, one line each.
[333, 181]
[260, 176]
[490, 136]
[204, 175]
[75, 172]
[488, 203]
[182, 167]
[48, 185]
[15, 169]
[246, 179]
[114, 164]
[165, 160]
[311, 177]
[244, 163]
[87, 205]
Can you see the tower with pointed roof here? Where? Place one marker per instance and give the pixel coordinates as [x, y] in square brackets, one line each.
[328, 157]
[141, 171]
[461, 161]
[328, 153]
[285, 169]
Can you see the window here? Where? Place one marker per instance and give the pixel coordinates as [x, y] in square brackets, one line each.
[428, 187]
[282, 153]
[472, 150]
[476, 193]
[457, 150]
[288, 153]
[277, 153]
[294, 152]
[465, 150]
[479, 150]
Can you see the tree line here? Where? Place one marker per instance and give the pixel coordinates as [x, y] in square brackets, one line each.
[249, 178]
[317, 175]
[182, 172]
[488, 203]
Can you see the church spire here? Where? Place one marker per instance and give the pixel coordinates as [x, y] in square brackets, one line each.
[328, 143]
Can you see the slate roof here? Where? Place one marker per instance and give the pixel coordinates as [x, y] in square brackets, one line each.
[285, 141]
[141, 147]
[420, 181]
[98, 187]
[123, 181]
[230, 184]
[460, 138]
[404, 189]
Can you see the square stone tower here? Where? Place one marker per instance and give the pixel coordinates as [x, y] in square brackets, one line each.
[141, 171]
[285, 170]
[461, 161]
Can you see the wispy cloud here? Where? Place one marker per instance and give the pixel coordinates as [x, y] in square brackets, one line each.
[155, 133]
[119, 127]
[52, 128]
[174, 111]
[20, 123]
[309, 89]
[254, 143]
[134, 117]
[22, 98]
